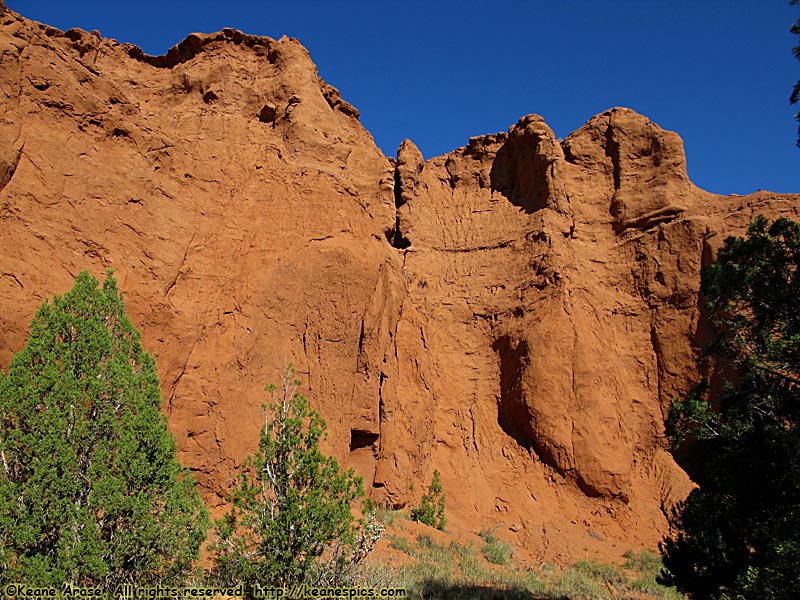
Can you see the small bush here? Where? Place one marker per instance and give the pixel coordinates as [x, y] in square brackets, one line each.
[648, 565]
[387, 515]
[643, 561]
[431, 508]
[574, 583]
[599, 571]
[401, 544]
[496, 551]
[462, 551]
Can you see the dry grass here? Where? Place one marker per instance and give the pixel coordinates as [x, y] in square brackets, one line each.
[461, 571]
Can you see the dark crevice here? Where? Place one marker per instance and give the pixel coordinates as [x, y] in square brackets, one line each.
[655, 343]
[381, 381]
[361, 342]
[587, 488]
[521, 173]
[268, 114]
[569, 156]
[398, 240]
[612, 151]
[360, 438]
[14, 277]
[513, 414]
[364, 455]
[7, 170]
[497, 246]
[617, 207]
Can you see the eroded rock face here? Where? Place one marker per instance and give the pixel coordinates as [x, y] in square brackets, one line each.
[240, 202]
[517, 314]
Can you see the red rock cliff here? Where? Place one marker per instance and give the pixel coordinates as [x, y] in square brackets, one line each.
[517, 314]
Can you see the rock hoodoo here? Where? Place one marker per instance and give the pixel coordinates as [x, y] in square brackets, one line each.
[517, 314]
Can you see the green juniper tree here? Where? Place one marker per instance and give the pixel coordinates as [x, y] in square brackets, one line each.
[91, 492]
[291, 519]
[738, 534]
[431, 508]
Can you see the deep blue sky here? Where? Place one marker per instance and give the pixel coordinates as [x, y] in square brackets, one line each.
[717, 72]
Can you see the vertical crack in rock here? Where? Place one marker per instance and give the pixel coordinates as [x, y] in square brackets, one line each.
[387, 398]
[309, 386]
[398, 240]
[361, 366]
[374, 392]
[474, 438]
[180, 375]
[657, 350]
[612, 152]
[174, 280]
[513, 415]
[381, 415]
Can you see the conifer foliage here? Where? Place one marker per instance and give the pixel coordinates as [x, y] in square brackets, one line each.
[91, 492]
[738, 534]
[431, 508]
[291, 519]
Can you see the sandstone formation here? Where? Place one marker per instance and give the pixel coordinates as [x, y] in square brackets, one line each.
[517, 314]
